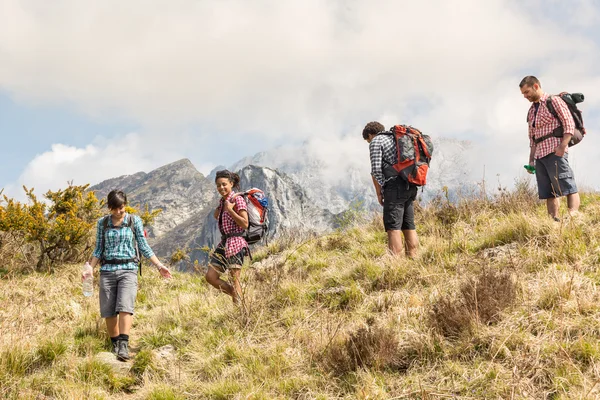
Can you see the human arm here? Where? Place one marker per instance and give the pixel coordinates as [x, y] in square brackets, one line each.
[376, 155]
[97, 254]
[95, 258]
[378, 190]
[532, 147]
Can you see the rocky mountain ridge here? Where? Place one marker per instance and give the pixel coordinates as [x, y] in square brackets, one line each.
[306, 189]
[188, 201]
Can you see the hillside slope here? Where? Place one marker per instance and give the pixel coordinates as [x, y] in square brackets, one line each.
[502, 302]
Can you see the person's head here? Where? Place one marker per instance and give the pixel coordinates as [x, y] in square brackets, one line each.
[226, 181]
[371, 130]
[116, 202]
[531, 88]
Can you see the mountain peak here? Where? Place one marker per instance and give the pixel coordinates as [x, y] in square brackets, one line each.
[184, 163]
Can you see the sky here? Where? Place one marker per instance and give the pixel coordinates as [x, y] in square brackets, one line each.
[94, 90]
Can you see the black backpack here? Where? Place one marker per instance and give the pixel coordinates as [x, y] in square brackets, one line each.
[571, 99]
[137, 259]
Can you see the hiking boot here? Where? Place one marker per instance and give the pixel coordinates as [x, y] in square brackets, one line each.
[123, 350]
[115, 347]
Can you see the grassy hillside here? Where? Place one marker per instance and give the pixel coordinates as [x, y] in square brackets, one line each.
[502, 302]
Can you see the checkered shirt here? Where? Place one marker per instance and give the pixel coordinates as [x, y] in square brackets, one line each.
[382, 150]
[235, 244]
[543, 123]
[118, 243]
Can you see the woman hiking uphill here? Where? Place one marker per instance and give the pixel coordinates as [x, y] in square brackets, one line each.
[232, 250]
[118, 259]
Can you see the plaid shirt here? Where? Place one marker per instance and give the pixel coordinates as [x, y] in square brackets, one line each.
[382, 150]
[118, 243]
[235, 244]
[543, 123]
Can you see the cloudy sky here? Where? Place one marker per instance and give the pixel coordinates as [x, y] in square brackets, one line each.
[96, 89]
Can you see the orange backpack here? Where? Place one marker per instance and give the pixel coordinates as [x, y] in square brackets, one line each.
[414, 154]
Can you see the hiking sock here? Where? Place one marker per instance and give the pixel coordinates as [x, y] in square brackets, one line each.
[124, 337]
[114, 339]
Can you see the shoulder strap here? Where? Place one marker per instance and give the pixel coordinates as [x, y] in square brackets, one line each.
[221, 218]
[131, 225]
[103, 239]
[551, 108]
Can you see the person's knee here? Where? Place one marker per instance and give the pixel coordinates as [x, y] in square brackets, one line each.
[209, 276]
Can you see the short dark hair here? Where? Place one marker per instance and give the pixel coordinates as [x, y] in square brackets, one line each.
[116, 199]
[529, 80]
[232, 176]
[372, 128]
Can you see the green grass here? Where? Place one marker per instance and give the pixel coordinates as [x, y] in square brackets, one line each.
[502, 302]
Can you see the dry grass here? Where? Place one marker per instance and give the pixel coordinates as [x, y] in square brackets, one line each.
[501, 303]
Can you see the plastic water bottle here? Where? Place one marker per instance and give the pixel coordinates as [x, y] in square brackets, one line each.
[88, 280]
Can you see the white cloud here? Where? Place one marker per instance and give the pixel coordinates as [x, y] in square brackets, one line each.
[279, 71]
[96, 162]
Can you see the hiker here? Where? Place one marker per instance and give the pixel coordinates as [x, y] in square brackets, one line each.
[232, 250]
[548, 153]
[394, 193]
[116, 254]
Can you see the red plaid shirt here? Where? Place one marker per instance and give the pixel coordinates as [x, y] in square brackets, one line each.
[543, 123]
[235, 244]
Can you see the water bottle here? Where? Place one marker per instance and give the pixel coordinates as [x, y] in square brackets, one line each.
[88, 280]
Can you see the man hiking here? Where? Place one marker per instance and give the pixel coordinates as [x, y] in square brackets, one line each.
[549, 154]
[394, 193]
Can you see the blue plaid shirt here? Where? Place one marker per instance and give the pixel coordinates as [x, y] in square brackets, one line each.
[118, 243]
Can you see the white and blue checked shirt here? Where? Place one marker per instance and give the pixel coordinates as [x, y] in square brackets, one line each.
[382, 150]
[118, 243]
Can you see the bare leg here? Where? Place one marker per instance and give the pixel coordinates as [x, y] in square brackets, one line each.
[411, 241]
[214, 278]
[236, 294]
[125, 322]
[395, 242]
[573, 202]
[112, 326]
[552, 206]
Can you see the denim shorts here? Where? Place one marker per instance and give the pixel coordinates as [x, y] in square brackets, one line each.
[222, 263]
[554, 176]
[398, 210]
[118, 290]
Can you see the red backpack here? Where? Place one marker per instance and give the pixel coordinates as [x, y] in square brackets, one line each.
[414, 154]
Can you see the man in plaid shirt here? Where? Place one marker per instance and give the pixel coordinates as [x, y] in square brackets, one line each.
[549, 154]
[394, 193]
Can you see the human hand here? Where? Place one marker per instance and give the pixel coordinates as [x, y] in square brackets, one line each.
[87, 271]
[380, 198]
[228, 206]
[560, 150]
[530, 168]
[164, 271]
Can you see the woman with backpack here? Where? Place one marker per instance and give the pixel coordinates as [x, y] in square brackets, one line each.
[232, 250]
[118, 235]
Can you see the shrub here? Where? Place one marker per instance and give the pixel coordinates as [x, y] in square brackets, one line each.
[479, 299]
[61, 229]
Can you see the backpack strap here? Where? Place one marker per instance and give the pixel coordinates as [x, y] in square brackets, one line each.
[551, 108]
[138, 258]
[103, 240]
